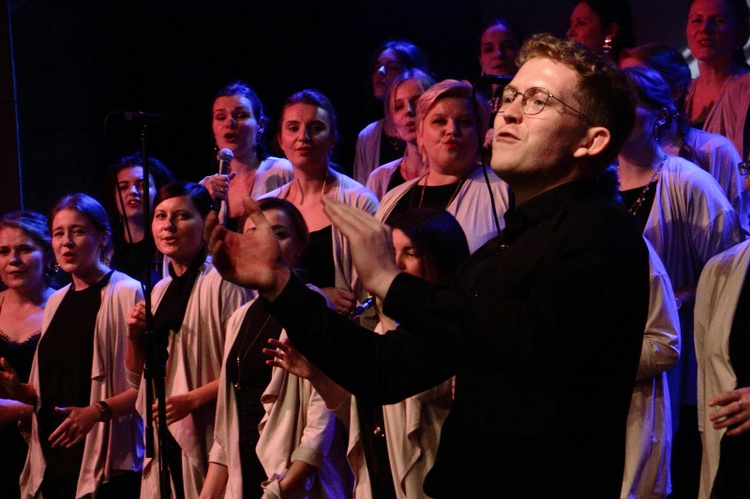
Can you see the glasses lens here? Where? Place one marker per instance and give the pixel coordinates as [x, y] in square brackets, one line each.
[744, 167]
[506, 98]
[534, 100]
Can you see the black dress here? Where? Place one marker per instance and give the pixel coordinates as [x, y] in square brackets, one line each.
[13, 448]
[65, 355]
[248, 372]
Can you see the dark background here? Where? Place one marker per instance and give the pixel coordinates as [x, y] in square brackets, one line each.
[75, 61]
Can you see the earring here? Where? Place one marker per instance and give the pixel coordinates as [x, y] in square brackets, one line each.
[607, 47]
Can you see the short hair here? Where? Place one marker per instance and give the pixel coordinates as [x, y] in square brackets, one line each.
[509, 25]
[35, 226]
[606, 96]
[741, 15]
[243, 89]
[424, 81]
[673, 68]
[455, 89]
[618, 12]
[313, 98]
[92, 210]
[196, 192]
[298, 227]
[409, 55]
[652, 90]
[437, 237]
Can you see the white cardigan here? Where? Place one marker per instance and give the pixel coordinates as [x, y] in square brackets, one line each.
[471, 206]
[412, 432]
[718, 291]
[648, 437]
[296, 426]
[195, 354]
[111, 447]
[343, 190]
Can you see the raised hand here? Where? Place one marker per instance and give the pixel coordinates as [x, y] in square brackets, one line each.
[370, 245]
[252, 259]
[285, 356]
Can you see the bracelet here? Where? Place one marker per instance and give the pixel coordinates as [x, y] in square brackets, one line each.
[105, 411]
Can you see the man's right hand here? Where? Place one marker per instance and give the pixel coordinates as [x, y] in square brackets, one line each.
[253, 259]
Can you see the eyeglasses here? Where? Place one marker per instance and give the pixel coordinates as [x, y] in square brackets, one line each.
[533, 101]
[744, 167]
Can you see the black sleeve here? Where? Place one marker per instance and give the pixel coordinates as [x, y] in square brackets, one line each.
[380, 369]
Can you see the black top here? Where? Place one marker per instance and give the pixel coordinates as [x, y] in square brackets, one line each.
[250, 375]
[129, 259]
[317, 262]
[391, 148]
[543, 329]
[169, 316]
[732, 478]
[13, 448]
[630, 196]
[66, 353]
[396, 179]
[420, 196]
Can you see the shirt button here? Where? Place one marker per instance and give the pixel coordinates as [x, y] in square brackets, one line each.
[503, 247]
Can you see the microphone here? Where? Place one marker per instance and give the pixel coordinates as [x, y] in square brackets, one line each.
[497, 79]
[224, 157]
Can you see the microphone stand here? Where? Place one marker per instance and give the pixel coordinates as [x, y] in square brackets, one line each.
[153, 370]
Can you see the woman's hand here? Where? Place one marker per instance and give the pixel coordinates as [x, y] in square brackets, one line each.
[218, 185]
[733, 412]
[13, 411]
[285, 356]
[9, 380]
[177, 407]
[343, 301]
[137, 320]
[76, 426]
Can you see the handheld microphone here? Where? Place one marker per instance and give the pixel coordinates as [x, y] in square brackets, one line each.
[224, 157]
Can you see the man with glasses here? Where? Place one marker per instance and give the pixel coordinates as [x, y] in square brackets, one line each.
[542, 327]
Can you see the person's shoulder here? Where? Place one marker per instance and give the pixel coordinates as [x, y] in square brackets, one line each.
[274, 164]
[686, 175]
[373, 128]
[708, 143]
[122, 282]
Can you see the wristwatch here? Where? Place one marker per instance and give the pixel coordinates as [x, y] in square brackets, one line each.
[105, 411]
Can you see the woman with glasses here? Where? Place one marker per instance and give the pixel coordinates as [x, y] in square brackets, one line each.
[450, 124]
[378, 142]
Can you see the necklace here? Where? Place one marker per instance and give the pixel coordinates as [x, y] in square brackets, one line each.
[638, 202]
[424, 187]
[237, 385]
[302, 194]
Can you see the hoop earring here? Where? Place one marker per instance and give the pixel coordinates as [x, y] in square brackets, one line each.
[607, 47]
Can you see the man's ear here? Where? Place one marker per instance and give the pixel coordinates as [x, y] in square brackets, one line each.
[594, 142]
